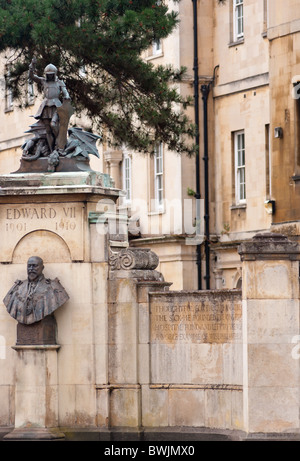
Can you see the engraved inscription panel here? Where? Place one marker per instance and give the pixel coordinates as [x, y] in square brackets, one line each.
[66, 220]
[179, 319]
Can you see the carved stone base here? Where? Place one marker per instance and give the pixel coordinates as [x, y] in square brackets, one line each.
[39, 333]
[65, 165]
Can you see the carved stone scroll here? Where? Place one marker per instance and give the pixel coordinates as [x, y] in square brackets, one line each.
[133, 258]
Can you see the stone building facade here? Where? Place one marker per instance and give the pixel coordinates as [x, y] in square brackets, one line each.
[247, 55]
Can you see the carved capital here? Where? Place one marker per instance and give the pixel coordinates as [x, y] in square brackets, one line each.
[113, 156]
[132, 259]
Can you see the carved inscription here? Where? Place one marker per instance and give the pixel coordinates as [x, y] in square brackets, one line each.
[16, 221]
[215, 320]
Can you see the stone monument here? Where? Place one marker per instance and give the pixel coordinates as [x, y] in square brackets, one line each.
[47, 208]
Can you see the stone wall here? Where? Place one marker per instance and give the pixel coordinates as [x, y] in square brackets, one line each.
[195, 360]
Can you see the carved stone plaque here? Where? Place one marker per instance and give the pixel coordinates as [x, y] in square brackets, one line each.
[187, 318]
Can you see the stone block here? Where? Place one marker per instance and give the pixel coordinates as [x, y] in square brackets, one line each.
[101, 365]
[76, 279]
[272, 365]
[171, 363]
[154, 407]
[99, 282]
[126, 290]
[67, 402]
[218, 408]
[122, 323]
[144, 288]
[7, 367]
[100, 324]
[122, 364]
[6, 409]
[144, 323]
[98, 246]
[143, 292]
[143, 363]
[103, 407]
[207, 363]
[125, 407]
[232, 363]
[237, 414]
[187, 407]
[76, 364]
[8, 327]
[271, 280]
[273, 409]
[85, 406]
[271, 320]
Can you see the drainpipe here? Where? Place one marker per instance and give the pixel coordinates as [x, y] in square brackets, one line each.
[205, 92]
[197, 139]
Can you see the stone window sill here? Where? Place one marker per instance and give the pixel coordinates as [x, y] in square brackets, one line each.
[236, 43]
[154, 56]
[241, 206]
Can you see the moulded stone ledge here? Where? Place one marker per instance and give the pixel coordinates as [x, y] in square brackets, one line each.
[269, 246]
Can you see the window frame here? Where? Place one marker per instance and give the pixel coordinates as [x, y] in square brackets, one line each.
[239, 167]
[127, 177]
[238, 5]
[159, 177]
[157, 47]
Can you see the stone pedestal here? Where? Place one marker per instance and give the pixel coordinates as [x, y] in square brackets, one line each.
[132, 275]
[51, 215]
[270, 323]
[42, 333]
[36, 393]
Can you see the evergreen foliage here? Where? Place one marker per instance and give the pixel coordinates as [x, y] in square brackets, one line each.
[97, 46]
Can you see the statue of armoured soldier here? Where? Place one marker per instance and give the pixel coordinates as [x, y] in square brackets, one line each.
[51, 129]
[53, 88]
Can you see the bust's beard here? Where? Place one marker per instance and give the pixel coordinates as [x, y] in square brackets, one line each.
[32, 277]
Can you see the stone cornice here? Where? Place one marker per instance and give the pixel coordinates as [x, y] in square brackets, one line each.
[269, 246]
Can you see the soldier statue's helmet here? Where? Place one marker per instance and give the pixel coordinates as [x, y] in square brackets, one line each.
[50, 72]
[50, 69]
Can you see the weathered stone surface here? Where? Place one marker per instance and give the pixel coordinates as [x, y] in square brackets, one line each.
[270, 246]
[270, 324]
[195, 353]
[182, 317]
[133, 259]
